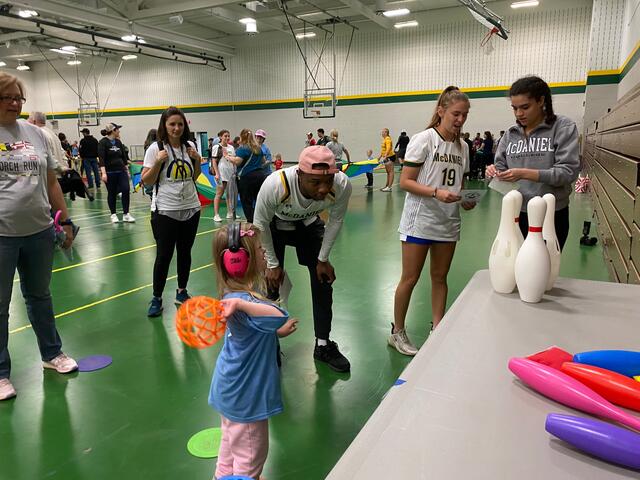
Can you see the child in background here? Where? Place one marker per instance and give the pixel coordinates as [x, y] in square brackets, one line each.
[246, 382]
[278, 163]
[369, 184]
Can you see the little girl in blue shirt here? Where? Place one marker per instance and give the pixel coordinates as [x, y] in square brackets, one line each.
[246, 382]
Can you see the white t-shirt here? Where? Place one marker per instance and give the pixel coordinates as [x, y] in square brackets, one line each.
[280, 197]
[226, 168]
[176, 186]
[442, 164]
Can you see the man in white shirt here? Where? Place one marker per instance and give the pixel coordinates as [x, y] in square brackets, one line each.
[287, 210]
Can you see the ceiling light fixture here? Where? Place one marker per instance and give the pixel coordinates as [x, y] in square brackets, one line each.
[128, 38]
[526, 3]
[3, 64]
[306, 35]
[63, 52]
[251, 28]
[410, 23]
[129, 57]
[27, 13]
[74, 62]
[398, 12]
[247, 20]
[22, 67]
[68, 48]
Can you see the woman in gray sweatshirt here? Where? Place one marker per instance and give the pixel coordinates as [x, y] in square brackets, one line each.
[540, 151]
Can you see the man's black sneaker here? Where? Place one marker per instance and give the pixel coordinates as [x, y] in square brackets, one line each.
[330, 355]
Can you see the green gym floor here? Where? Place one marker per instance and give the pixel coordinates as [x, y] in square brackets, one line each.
[133, 419]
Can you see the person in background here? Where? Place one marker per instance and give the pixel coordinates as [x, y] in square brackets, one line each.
[29, 191]
[236, 143]
[278, 163]
[251, 175]
[310, 141]
[115, 172]
[172, 165]
[66, 146]
[487, 152]
[369, 183]
[89, 155]
[551, 161]
[322, 138]
[224, 173]
[53, 142]
[152, 136]
[467, 140]
[261, 137]
[388, 157]
[495, 145]
[401, 146]
[338, 149]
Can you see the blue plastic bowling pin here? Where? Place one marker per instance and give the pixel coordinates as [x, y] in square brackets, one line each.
[624, 362]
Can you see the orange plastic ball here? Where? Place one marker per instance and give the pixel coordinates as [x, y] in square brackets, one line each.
[199, 322]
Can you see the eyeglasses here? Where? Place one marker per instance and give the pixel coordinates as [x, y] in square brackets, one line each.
[8, 99]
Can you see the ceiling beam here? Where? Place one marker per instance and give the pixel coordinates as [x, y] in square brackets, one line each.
[6, 37]
[116, 7]
[173, 8]
[362, 9]
[77, 13]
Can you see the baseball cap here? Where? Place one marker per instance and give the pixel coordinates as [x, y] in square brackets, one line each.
[85, 130]
[261, 133]
[111, 127]
[317, 160]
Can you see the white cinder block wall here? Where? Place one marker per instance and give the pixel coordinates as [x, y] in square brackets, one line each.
[551, 42]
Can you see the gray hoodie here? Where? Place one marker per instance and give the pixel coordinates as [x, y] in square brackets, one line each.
[550, 149]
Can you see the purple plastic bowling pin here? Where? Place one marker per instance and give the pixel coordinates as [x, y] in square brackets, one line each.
[603, 440]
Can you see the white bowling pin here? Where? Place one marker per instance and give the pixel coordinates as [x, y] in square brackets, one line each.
[551, 239]
[518, 205]
[533, 264]
[502, 257]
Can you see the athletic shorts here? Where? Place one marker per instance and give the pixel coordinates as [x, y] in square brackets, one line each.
[391, 159]
[418, 240]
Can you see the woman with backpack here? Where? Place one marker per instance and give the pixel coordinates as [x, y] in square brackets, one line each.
[251, 175]
[171, 165]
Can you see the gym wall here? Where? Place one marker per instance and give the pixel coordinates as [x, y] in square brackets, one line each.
[391, 79]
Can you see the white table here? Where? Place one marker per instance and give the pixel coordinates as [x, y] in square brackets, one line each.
[462, 414]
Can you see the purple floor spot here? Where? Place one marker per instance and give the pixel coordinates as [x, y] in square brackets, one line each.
[94, 362]
[399, 382]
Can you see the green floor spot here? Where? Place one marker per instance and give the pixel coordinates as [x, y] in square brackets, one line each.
[205, 444]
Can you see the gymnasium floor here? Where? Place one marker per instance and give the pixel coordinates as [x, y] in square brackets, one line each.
[133, 419]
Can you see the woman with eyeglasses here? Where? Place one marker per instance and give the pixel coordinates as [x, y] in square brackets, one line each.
[29, 191]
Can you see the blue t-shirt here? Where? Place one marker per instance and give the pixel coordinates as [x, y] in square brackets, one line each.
[267, 159]
[246, 381]
[253, 161]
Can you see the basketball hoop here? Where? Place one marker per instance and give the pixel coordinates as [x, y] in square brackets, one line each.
[487, 41]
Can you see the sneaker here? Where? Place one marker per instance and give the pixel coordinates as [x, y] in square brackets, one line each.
[368, 186]
[155, 307]
[400, 341]
[229, 215]
[61, 364]
[114, 218]
[385, 189]
[330, 355]
[217, 218]
[6, 389]
[182, 297]
[127, 217]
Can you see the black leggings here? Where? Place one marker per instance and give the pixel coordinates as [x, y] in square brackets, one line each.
[172, 234]
[248, 188]
[561, 223]
[118, 182]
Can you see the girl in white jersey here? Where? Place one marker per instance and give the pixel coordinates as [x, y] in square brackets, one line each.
[435, 163]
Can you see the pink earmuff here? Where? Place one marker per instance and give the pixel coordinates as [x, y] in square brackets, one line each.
[235, 263]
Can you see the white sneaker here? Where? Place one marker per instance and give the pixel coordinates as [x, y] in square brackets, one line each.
[6, 389]
[61, 364]
[400, 341]
[385, 189]
[127, 217]
[217, 218]
[229, 215]
[114, 218]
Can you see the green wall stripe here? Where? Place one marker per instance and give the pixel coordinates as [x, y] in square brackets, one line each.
[603, 79]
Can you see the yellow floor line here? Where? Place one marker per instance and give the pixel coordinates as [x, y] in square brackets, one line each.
[89, 262]
[104, 300]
